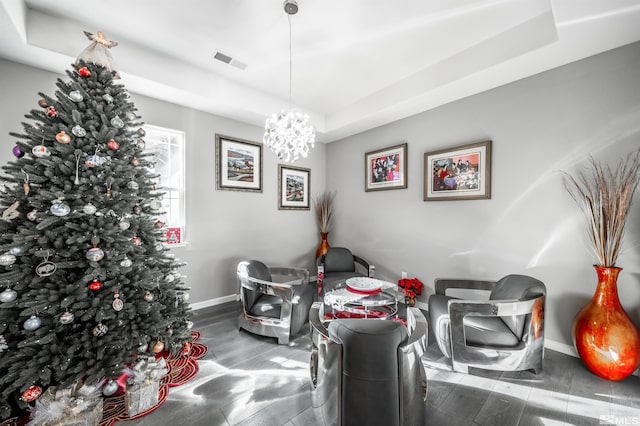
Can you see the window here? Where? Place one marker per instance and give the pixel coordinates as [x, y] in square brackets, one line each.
[168, 146]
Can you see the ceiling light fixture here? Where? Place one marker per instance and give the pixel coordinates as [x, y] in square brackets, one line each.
[288, 133]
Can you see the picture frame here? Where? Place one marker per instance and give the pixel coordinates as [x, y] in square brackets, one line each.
[386, 168]
[238, 164]
[458, 173]
[294, 184]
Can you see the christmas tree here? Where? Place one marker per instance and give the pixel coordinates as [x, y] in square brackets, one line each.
[86, 283]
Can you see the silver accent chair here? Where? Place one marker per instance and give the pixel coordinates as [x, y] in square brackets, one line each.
[337, 265]
[505, 332]
[271, 308]
[368, 371]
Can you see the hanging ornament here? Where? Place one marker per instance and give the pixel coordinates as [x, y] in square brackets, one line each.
[159, 246]
[17, 152]
[11, 212]
[3, 344]
[31, 394]
[95, 254]
[143, 347]
[77, 153]
[186, 348]
[126, 262]
[66, 318]
[189, 324]
[117, 122]
[32, 323]
[7, 259]
[130, 115]
[117, 304]
[95, 285]
[95, 160]
[110, 388]
[58, 208]
[16, 251]
[113, 145]
[158, 347]
[63, 138]
[100, 330]
[46, 268]
[32, 215]
[169, 278]
[25, 184]
[124, 224]
[84, 72]
[79, 131]
[76, 96]
[108, 98]
[40, 151]
[159, 224]
[132, 184]
[108, 185]
[148, 296]
[135, 162]
[8, 295]
[51, 112]
[141, 132]
[89, 208]
[137, 209]
[42, 103]
[136, 241]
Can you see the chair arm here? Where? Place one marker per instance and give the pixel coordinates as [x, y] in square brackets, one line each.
[443, 284]
[315, 322]
[417, 325]
[371, 269]
[460, 308]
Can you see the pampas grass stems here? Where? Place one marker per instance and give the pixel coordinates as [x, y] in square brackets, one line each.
[324, 211]
[604, 196]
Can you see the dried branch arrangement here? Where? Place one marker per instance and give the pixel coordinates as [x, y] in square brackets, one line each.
[324, 210]
[604, 195]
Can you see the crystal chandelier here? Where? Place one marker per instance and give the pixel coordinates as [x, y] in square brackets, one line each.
[288, 133]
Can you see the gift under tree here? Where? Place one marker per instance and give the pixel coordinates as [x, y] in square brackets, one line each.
[86, 284]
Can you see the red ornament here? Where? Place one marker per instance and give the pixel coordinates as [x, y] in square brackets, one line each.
[32, 393]
[113, 145]
[84, 72]
[51, 112]
[186, 348]
[135, 161]
[95, 285]
[605, 337]
[159, 224]
[136, 241]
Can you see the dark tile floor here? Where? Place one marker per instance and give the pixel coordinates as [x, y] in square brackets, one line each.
[250, 380]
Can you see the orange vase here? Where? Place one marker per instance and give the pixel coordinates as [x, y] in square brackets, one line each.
[604, 336]
[323, 248]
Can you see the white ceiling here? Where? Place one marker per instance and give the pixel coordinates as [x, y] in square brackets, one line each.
[357, 64]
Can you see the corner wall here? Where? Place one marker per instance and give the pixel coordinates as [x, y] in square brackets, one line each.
[539, 126]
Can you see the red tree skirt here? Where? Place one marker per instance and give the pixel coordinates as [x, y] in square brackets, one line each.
[182, 368]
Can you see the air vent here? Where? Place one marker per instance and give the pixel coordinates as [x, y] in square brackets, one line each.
[229, 60]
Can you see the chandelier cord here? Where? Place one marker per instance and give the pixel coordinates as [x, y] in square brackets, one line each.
[290, 64]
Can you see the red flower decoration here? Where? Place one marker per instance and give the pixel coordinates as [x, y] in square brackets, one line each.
[412, 287]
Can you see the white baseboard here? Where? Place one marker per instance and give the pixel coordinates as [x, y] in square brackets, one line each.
[561, 347]
[214, 302]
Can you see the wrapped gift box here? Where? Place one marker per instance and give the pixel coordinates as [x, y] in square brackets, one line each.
[142, 397]
[86, 418]
[78, 410]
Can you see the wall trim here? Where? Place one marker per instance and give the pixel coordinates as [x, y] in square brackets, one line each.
[214, 302]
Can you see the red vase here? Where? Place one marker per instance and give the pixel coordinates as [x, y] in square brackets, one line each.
[604, 336]
[323, 248]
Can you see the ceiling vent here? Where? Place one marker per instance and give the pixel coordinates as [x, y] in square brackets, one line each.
[229, 60]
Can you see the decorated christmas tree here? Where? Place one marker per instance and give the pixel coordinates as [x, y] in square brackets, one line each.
[86, 283]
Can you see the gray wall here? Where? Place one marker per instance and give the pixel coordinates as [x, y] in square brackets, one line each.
[222, 226]
[539, 126]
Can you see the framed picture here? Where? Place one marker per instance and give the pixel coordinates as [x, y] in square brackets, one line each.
[386, 168]
[460, 173]
[293, 188]
[238, 164]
